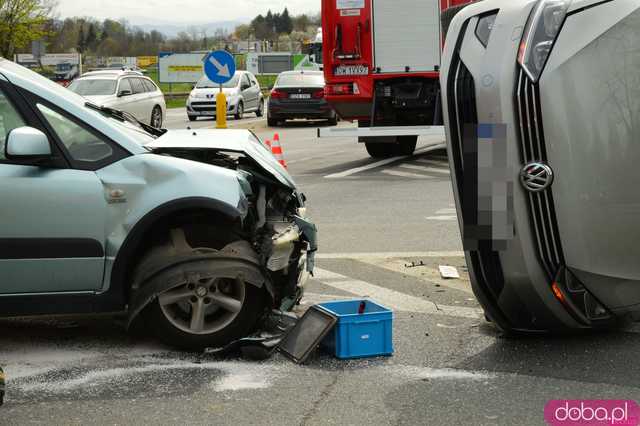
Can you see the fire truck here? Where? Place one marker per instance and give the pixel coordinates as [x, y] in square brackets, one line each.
[381, 64]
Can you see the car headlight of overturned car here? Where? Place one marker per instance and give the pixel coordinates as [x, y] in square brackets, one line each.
[540, 34]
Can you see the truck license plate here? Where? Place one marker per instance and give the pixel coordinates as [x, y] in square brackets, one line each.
[300, 96]
[351, 70]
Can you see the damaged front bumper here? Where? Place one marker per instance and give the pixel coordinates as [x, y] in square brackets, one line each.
[291, 259]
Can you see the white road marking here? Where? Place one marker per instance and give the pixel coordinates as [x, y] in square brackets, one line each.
[315, 157]
[426, 273]
[391, 298]
[414, 167]
[425, 169]
[398, 173]
[364, 168]
[313, 298]
[381, 163]
[432, 162]
[446, 211]
[389, 255]
[442, 218]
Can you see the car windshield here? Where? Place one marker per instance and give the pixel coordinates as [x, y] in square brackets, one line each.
[93, 87]
[300, 80]
[205, 83]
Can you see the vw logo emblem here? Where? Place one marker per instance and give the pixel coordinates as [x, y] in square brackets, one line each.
[536, 177]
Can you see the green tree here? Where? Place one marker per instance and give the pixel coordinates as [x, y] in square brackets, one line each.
[92, 37]
[243, 31]
[82, 40]
[301, 22]
[285, 23]
[21, 22]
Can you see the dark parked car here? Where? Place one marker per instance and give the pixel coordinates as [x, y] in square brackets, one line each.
[299, 94]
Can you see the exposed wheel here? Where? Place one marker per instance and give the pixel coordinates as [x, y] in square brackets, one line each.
[210, 301]
[192, 118]
[240, 112]
[272, 122]
[406, 145]
[260, 110]
[333, 121]
[156, 117]
[380, 150]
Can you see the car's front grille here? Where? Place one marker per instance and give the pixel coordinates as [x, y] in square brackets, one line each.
[463, 130]
[203, 106]
[532, 148]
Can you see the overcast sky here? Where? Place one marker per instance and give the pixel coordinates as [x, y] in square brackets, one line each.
[181, 11]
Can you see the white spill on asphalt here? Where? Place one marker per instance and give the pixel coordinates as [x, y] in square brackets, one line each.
[232, 376]
[412, 372]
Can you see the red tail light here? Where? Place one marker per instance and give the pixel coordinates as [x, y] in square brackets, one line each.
[277, 94]
[319, 94]
[339, 89]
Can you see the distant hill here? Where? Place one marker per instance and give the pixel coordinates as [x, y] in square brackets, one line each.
[171, 29]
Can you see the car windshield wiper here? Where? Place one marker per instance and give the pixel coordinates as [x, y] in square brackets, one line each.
[125, 116]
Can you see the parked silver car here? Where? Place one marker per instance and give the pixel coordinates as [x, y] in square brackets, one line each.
[243, 95]
[543, 124]
[198, 233]
[128, 91]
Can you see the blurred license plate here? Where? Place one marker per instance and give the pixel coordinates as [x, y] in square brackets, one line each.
[351, 70]
[300, 96]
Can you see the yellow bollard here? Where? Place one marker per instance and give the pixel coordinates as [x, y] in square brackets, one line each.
[221, 110]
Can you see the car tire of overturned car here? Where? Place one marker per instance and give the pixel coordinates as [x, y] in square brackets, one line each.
[213, 296]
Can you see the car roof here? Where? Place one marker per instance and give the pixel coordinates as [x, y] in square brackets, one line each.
[113, 73]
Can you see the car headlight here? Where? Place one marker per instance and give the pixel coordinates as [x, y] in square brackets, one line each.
[540, 34]
[485, 27]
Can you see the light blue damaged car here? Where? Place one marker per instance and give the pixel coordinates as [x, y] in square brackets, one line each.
[196, 233]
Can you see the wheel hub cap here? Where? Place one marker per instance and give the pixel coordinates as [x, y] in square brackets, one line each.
[201, 291]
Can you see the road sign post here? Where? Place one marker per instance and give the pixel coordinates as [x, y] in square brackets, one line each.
[219, 67]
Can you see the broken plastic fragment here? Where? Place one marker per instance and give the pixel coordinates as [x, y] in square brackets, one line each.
[448, 272]
[310, 233]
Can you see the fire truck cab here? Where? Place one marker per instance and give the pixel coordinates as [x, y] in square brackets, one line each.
[381, 63]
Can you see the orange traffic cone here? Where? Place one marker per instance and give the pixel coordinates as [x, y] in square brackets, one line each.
[268, 143]
[276, 150]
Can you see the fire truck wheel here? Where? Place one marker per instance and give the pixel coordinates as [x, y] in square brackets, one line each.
[381, 150]
[406, 145]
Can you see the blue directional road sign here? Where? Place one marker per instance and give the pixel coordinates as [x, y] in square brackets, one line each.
[219, 66]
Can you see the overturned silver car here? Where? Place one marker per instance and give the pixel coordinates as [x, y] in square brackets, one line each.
[196, 234]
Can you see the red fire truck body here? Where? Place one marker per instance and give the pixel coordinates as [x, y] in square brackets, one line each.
[381, 63]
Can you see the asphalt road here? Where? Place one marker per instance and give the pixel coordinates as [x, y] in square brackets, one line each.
[449, 366]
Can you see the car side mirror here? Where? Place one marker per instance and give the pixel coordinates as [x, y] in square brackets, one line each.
[27, 143]
[124, 93]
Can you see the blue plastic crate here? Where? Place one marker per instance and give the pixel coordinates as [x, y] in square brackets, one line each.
[359, 335]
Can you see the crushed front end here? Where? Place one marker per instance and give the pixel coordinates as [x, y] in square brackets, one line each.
[273, 210]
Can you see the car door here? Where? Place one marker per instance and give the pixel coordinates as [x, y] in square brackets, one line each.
[53, 215]
[155, 95]
[141, 98]
[126, 97]
[250, 101]
[255, 87]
